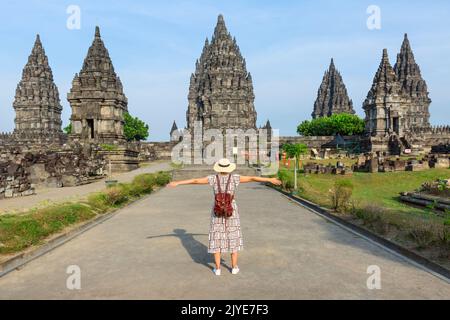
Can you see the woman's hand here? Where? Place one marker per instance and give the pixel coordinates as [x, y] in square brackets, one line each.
[275, 181]
[173, 184]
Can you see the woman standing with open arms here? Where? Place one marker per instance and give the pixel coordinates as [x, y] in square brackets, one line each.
[225, 231]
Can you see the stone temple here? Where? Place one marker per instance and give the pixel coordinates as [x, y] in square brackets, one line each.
[413, 86]
[97, 98]
[332, 97]
[397, 104]
[36, 103]
[221, 90]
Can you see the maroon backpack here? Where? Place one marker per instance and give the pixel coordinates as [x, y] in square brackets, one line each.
[223, 201]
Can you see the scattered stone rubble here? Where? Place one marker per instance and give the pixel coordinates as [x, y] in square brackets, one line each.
[316, 168]
[375, 163]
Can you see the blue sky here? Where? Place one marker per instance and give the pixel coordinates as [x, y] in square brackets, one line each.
[287, 46]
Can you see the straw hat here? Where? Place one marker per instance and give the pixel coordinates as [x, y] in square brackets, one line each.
[224, 166]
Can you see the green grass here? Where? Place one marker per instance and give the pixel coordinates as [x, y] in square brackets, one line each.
[371, 188]
[108, 147]
[20, 231]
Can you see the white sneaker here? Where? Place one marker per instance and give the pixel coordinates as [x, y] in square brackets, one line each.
[216, 271]
[235, 270]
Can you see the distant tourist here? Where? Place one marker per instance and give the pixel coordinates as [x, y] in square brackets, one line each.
[225, 233]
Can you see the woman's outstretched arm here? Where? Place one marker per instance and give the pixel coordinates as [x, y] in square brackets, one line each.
[274, 181]
[173, 184]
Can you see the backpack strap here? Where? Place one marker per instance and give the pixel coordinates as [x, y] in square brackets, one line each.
[228, 183]
[218, 184]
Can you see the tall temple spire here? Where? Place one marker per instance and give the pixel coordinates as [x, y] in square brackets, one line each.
[413, 85]
[385, 81]
[97, 32]
[221, 29]
[385, 105]
[96, 97]
[221, 90]
[37, 105]
[332, 97]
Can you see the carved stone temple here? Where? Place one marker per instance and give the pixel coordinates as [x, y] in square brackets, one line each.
[332, 97]
[36, 103]
[397, 103]
[413, 86]
[97, 98]
[221, 90]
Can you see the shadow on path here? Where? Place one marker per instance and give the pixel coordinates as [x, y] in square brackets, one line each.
[197, 250]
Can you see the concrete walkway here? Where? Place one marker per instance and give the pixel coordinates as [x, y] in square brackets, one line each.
[46, 196]
[156, 249]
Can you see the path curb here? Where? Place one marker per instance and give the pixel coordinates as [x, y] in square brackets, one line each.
[410, 256]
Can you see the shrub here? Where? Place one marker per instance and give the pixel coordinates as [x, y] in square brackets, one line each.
[115, 196]
[144, 183]
[423, 234]
[340, 195]
[97, 202]
[287, 179]
[162, 178]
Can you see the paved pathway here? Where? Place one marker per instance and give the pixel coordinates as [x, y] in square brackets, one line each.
[44, 196]
[156, 249]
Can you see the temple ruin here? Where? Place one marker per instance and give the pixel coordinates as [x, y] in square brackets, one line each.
[332, 97]
[97, 98]
[36, 103]
[221, 90]
[220, 97]
[397, 107]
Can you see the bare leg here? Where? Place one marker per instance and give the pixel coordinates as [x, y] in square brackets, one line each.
[234, 259]
[217, 258]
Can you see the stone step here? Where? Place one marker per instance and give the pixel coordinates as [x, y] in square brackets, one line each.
[196, 171]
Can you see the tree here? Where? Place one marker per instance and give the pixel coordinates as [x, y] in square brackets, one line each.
[68, 129]
[134, 128]
[295, 150]
[344, 124]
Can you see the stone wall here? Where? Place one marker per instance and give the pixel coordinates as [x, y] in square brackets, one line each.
[150, 151]
[30, 142]
[71, 165]
[14, 180]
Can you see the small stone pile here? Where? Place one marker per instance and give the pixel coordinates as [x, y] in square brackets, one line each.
[339, 168]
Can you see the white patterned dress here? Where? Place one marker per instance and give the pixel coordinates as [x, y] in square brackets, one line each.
[225, 233]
